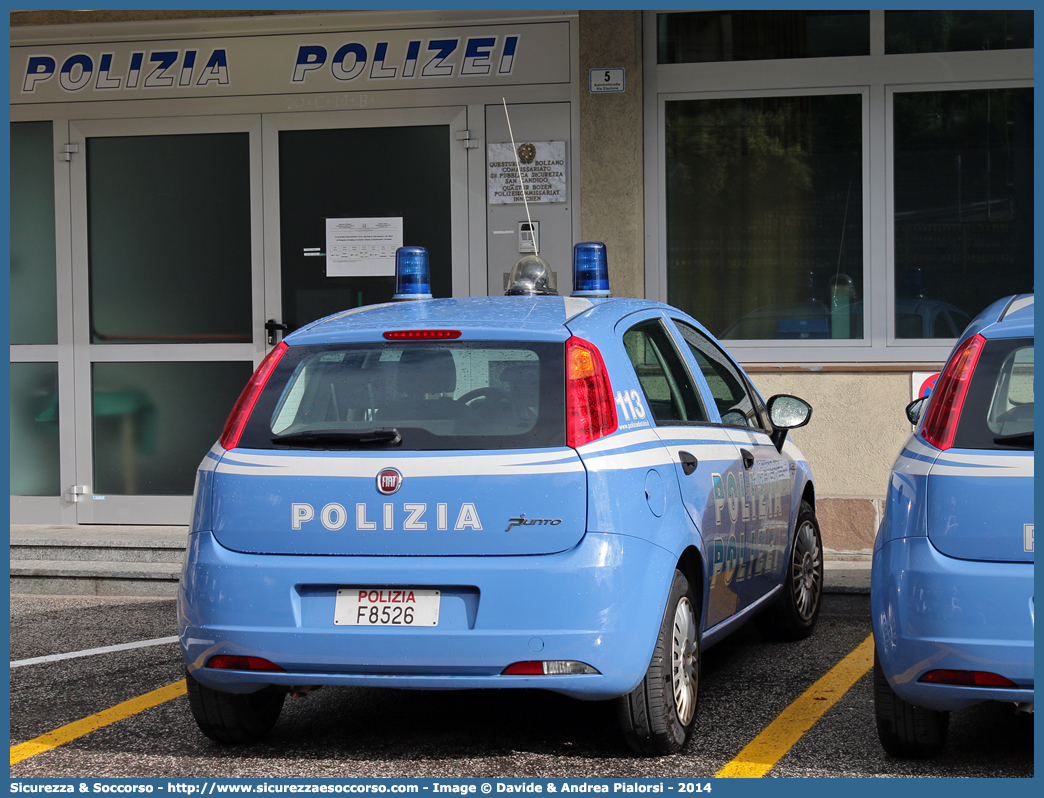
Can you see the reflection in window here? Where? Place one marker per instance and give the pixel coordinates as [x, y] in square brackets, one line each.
[34, 309]
[34, 429]
[950, 31]
[169, 238]
[764, 215]
[154, 422]
[963, 175]
[703, 36]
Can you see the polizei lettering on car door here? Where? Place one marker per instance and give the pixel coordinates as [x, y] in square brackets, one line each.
[410, 517]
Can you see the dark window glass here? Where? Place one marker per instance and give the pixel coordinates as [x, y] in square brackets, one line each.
[765, 215]
[949, 31]
[963, 205]
[359, 173]
[34, 307]
[737, 405]
[34, 429]
[702, 36]
[474, 395]
[998, 411]
[668, 389]
[169, 238]
[153, 422]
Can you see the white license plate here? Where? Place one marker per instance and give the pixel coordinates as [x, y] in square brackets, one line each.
[387, 606]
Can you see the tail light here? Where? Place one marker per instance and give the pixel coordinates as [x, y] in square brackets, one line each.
[548, 668]
[967, 678]
[237, 419]
[944, 409]
[590, 409]
[241, 663]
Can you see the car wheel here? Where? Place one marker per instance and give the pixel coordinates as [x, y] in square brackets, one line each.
[657, 715]
[794, 615]
[906, 730]
[233, 718]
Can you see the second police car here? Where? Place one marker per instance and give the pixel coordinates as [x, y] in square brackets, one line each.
[578, 494]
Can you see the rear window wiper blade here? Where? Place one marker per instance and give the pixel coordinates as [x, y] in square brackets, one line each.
[1018, 439]
[386, 436]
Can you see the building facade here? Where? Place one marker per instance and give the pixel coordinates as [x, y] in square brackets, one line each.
[834, 194]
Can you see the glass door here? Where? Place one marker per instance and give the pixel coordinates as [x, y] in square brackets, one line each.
[404, 168]
[168, 304]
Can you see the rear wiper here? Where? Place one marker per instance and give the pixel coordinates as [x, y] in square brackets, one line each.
[1019, 439]
[387, 436]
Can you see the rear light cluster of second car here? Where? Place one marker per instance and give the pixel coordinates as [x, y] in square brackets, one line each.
[944, 408]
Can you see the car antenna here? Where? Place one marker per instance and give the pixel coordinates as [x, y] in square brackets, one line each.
[518, 167]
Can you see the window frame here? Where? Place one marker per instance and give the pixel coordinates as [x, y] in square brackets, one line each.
[878, 77]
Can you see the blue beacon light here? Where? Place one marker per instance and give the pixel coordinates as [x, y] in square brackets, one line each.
[590, 270]
[412, 280]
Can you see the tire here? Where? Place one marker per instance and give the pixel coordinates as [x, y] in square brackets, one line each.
[657, 715]
[906, 731]
[231, 718]
[793, 616]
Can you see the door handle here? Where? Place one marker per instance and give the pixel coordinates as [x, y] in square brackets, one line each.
[688, 462]
[748, 458]
[272, 327]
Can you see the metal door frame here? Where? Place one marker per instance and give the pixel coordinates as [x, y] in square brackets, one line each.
[144, 509]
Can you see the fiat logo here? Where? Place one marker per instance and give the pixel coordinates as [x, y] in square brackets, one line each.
[389, 480]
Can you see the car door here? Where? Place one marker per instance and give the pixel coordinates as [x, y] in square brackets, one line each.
[760, 504]
[707, 462]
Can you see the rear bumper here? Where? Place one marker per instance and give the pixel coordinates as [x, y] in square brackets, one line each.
[930, 611]
[600, 603]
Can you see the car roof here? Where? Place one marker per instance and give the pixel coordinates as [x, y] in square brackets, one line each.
[1011, 317]
[495, 318]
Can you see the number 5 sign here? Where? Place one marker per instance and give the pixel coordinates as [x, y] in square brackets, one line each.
[607, 79]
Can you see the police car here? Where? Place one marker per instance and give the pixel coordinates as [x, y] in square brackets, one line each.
[952, 582]
[578, 494]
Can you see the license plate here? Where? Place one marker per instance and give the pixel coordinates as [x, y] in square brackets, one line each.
[386, 606]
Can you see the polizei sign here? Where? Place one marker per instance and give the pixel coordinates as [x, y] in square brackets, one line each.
[297, 63]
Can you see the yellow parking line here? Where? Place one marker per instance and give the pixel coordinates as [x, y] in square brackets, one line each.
[78, 728]
[765, 750]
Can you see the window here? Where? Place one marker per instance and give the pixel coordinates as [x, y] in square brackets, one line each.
[949, 31]
[764, 206]
[754, 35]
[34, 308]
[454, 395]
[963, 199]
[737, 405]
[668, 389]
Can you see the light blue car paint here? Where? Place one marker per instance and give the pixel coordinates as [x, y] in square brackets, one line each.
[268, 549]
[952, 581]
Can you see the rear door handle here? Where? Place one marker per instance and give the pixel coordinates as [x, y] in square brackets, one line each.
[748, 458]
[688, 462]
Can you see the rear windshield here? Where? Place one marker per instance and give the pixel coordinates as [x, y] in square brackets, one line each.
[416, 396]
[998, 411]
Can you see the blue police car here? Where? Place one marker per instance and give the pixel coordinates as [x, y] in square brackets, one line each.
[578, 494]
[952, 579]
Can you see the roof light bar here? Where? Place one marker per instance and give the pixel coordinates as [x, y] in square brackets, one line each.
[412, 276]
[590, 270]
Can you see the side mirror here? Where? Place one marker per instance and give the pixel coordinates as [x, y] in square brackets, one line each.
[786, 413]
[915, 409]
